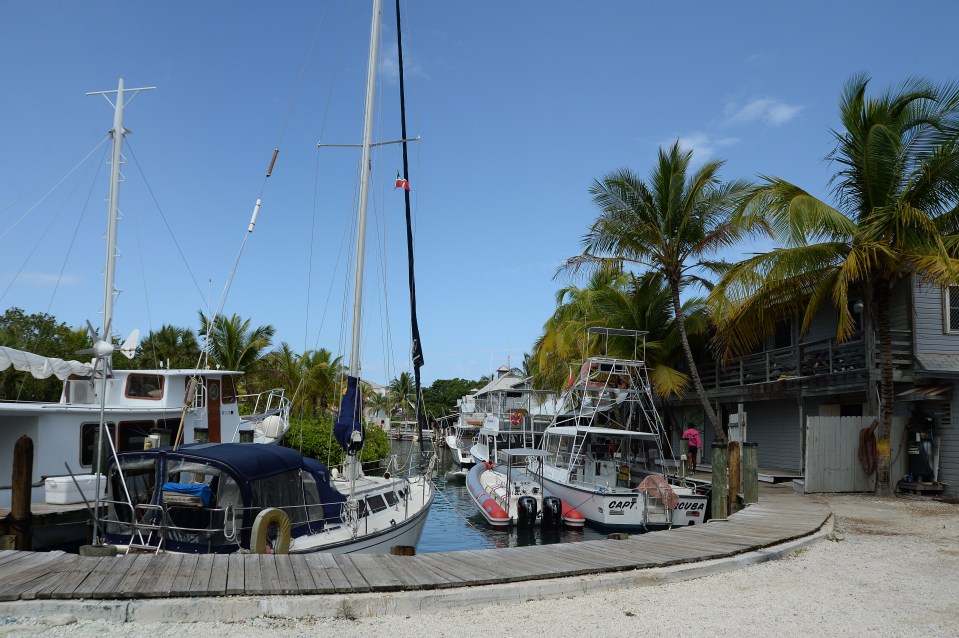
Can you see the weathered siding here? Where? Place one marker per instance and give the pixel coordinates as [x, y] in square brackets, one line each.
[899, 307]
[931, 338]
[947, 433]
[823, 325]
[774, 425]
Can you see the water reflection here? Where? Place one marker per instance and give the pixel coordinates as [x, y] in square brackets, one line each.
[455, 525]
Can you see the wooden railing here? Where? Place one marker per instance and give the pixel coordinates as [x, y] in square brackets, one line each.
[812, 358]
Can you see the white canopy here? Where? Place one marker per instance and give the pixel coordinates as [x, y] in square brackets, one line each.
[42, 367]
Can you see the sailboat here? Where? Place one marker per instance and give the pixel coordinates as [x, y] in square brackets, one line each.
[604, 452]
[228, 497]
[137, 408]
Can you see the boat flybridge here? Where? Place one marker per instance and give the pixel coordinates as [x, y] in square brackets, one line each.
[604, 452]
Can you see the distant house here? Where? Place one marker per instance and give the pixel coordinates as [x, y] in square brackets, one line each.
[790, 379]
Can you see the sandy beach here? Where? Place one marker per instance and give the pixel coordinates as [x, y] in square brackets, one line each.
[890, 567]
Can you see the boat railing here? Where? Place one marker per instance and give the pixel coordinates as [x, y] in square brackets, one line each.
[268, 402]
[151, 525]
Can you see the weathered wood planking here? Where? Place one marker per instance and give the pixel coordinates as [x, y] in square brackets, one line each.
[27, 575]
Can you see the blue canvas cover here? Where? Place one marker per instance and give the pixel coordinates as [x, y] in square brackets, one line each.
[200, 490]
[350, 418]
[332, 499]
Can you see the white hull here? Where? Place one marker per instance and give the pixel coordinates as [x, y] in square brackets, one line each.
[620, 508]
[377, 533]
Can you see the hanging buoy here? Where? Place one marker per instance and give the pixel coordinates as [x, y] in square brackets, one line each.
[269, 518]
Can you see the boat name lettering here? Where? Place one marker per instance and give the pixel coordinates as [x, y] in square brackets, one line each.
[692, 506]
[622, 505]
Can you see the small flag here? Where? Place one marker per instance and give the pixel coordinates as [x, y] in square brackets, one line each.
[402, 183]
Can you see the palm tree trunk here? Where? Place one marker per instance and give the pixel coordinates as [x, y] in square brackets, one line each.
[886, 390]
[693, 371]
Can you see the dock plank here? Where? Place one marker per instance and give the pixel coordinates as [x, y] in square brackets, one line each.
[201, 575]
[235, 575]
[219, 572]
[70, 581]
[253, 581]
[377, 575]
[353, 575]
[46, 583]
[128, 584]
[269, 579]
[303, 575]
[184, 576]
[154, 570]
[418, 573]
[41, 566]
[163, 584]
[327, 576]
[286, 579]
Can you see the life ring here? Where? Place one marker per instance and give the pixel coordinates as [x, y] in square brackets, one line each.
[259, 540]
[516, 418]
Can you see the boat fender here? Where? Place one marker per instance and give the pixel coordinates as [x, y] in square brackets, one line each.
[260, 543]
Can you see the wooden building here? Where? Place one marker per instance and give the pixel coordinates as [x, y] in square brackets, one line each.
[792, 377]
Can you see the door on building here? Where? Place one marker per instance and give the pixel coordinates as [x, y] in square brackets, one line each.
[213, 409]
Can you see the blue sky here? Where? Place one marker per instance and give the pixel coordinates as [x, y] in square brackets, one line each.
[520, 105]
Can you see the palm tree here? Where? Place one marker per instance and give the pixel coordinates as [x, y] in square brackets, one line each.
[402, 393]
[322, 372]
[170, 346]
[670, 225]
[233, 344]
[623, 300]
[895, 217]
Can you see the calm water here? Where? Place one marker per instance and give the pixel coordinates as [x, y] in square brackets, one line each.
[454, 524]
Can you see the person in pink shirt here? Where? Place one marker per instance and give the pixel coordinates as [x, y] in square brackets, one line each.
[692, 435]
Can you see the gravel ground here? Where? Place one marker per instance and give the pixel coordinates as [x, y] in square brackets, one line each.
[890, 568]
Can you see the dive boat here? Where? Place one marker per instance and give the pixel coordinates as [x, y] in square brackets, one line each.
[505, 495]
[605, 452]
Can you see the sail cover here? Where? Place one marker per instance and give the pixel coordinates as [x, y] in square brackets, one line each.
[350, 418]
[42, 367]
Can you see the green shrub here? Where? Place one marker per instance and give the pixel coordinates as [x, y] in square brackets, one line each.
[314, 438]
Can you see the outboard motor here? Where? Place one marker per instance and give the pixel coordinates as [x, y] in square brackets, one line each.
[552, 512]
[526, 511]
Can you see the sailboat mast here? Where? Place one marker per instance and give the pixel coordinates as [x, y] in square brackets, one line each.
[417, 349]
[364, 189]
[113, 211]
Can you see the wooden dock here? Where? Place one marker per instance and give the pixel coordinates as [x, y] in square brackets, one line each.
[780, 517]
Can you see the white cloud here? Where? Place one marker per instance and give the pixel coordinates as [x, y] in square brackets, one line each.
[769, 110]
[390, 66]
[702, 145]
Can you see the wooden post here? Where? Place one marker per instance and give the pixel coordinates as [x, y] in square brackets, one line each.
[735, 476]
[720, 490]
[403, 550]
[750, 473]
[683, 458]
[21, 497]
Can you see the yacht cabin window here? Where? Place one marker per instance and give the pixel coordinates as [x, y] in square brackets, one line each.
[229, 389]
[145, 386]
